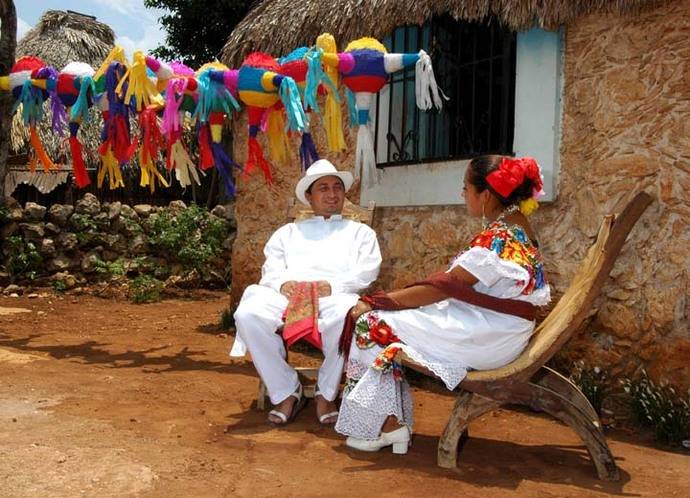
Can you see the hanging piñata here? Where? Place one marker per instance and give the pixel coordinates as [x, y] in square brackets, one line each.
[261, 87]
[332, 116]
[29, 81]
[76, 89]
[117, 147]
[139, 91]
[365, 66]
[216, 85]
[179, 87]
[298, 66]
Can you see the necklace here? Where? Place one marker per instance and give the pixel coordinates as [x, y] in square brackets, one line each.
[507, 211]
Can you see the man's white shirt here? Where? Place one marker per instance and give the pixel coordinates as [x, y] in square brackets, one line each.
[343, 252]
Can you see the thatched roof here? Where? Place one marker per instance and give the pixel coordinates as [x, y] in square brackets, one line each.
[59, 38]
[279, 26]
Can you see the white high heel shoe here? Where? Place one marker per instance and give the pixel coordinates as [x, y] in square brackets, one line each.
[399, 439]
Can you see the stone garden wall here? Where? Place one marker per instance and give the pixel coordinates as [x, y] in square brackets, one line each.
[92, 241]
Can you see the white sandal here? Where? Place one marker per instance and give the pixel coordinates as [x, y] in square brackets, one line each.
[325, 416]
[299, 404]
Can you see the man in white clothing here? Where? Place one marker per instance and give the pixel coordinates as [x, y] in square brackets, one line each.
[342, 256]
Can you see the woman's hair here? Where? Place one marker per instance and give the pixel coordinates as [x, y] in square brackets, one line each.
[482, 166]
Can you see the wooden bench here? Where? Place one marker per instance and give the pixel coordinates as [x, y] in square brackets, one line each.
[526, 381]
[298, 212]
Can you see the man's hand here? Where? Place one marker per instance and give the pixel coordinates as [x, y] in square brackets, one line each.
[360, 308]
[324, 288]
[288, 288]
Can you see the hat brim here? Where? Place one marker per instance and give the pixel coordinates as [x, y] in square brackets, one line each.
[305, 182]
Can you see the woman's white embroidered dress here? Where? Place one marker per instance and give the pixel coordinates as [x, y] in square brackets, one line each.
[448, 337]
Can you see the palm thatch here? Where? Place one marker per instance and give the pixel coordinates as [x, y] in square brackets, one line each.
[279, 26]
[60, 38]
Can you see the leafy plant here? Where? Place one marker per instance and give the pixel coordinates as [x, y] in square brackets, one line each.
[83, 222]
[592, 382]
[191, 237]
[59, 286]
[132, 227]
[660, 407]
[23, 258]
[4, 213]
[145, 289]
[110, 269]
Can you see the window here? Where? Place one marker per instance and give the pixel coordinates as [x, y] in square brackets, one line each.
[424, 176]
[474, 65]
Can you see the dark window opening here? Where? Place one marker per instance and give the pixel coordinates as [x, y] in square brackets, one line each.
[474, 65]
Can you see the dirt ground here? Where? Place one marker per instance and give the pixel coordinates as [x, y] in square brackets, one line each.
[106, 398]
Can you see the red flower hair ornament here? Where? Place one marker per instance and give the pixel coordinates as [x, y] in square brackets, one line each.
[512, 172]
[510, 175]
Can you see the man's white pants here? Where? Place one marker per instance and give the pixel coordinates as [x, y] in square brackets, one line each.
[257, 318]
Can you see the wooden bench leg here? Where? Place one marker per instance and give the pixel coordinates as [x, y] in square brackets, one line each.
[589, 430]
[262, 396]
[468, 406]
[562, 385]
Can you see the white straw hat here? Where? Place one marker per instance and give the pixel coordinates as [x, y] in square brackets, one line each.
[319, 169]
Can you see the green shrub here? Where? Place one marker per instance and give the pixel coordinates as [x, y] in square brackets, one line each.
[145, 289]
[660, 408]
[110, 269]
[83, 222]
[59, 286]
[132, 227]
[190, 237]
[23, 258]
[592, 382]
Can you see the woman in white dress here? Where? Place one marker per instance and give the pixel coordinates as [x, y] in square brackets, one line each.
[479, 314]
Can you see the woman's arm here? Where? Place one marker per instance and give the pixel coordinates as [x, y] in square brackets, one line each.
[421, 295]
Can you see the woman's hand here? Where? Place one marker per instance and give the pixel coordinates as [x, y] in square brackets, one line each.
[359, 309]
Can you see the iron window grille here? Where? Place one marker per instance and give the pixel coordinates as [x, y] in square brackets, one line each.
[474, 65]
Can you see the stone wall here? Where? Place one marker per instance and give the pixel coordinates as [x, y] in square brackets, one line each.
[625, 128]
[73, 244]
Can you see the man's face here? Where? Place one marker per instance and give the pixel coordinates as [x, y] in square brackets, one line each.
[326, 196]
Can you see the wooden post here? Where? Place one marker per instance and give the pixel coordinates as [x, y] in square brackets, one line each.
[8, 46]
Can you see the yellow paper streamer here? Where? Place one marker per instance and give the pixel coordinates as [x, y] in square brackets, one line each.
[139, 85]
[333, 122]
[111, 167]
[116, 54]
[277, 139]
[149, 172]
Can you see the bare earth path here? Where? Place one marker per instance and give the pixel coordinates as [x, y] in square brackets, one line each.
[106, 398]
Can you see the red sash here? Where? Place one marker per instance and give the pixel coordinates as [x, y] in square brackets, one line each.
[301, 316]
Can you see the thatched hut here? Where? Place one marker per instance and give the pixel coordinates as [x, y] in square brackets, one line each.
[60, 38]
[598, 91]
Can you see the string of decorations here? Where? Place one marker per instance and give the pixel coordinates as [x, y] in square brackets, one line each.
[280, 97]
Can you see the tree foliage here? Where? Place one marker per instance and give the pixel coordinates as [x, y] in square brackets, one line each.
[197, 29]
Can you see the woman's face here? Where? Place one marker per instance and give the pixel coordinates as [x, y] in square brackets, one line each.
[473, 199]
